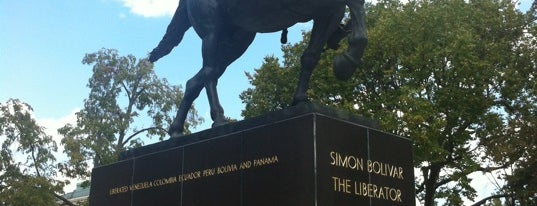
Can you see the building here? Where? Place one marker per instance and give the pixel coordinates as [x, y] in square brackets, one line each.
[80, 194]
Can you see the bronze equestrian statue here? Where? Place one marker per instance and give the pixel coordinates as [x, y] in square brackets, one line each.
[228, 27]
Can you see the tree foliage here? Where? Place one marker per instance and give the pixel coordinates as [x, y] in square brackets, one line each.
[121, 90]
[27, 163]
[458, 77]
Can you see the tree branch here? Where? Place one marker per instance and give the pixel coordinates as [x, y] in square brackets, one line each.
[484, 200]
[138, 132]
[65, 200]
[490, 169]
[466, 173]
[35, 163]
[126, 89]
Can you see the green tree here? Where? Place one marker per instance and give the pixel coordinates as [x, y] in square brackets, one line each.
[121, 88]
[521, 94]
[27, 163]
[458, 77]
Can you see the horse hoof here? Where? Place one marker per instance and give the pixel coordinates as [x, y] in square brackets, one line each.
[219, 122]
[343, 68]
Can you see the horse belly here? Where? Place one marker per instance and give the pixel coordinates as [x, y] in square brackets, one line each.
[275, 21]
[274, 15]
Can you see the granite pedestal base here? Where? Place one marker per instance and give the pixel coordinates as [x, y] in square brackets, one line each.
[302, 156]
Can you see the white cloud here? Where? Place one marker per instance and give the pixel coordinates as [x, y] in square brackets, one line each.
[51, 126]
[151, 8]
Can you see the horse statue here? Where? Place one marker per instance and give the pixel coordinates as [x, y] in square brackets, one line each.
[228, 27]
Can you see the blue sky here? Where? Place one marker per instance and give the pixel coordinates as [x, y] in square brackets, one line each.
[43, 43]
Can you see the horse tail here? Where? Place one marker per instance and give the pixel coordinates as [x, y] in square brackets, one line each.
[174, 33]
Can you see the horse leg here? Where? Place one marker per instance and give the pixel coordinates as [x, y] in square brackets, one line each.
[322, 29]
[231, 47]
[221, 45]
[205, 19]
[194, 85]
[345, 64]
[192, 90]
[217, 111]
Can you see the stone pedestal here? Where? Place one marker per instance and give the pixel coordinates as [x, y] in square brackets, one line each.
[305, 155]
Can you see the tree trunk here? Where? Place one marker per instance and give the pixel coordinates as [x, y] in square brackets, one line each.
[430, 185]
